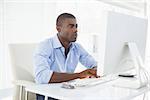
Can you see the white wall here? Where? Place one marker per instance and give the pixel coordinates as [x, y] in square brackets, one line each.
[1, 39]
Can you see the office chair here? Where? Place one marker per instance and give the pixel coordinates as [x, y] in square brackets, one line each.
[22, 68]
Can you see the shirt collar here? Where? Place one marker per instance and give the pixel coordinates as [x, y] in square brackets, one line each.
[57, 44]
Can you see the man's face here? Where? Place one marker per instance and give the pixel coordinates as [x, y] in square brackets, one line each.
[68, 29]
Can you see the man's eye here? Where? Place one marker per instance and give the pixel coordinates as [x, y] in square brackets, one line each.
[72, 26]
[76, 26]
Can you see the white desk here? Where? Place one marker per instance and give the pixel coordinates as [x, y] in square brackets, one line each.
[99, 92]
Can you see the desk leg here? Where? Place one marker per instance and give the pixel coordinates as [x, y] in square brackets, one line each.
[145, 96]
[46, 97]
[26, 95]
[20, 94]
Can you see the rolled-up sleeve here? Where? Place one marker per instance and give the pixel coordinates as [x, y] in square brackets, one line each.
[41, 64]
[86, 59]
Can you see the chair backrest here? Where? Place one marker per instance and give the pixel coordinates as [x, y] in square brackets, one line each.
[21, 55]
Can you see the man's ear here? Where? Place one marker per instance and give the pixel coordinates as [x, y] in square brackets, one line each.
[58, 28]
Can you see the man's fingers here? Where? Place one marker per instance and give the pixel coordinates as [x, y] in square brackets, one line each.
[93, 71]
[97, 76]
[90, 73]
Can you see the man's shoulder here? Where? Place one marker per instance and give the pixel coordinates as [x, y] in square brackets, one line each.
[47, 40]
[46, 43]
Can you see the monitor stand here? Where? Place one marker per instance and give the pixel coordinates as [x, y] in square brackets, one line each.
[141, 78]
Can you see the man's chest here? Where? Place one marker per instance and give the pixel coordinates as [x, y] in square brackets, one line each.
[59, 61]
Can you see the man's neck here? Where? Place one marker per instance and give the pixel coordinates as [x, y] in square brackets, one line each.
[64, 43]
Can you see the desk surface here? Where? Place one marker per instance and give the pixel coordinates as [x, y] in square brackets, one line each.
[98, 92]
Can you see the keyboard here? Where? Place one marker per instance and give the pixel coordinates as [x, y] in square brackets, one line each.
[91, 81]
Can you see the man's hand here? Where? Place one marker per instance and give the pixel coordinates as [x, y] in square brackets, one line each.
[88, 73]
[63, 77]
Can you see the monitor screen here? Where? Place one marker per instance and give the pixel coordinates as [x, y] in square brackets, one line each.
[120, 29]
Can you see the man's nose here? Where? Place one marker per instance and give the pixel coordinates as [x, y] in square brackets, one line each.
[75, 30]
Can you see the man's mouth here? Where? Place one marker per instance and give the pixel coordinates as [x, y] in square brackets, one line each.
[75, 37]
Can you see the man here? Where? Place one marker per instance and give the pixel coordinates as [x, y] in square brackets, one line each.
[56, 58]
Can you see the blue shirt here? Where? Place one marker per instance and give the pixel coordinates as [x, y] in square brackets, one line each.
[50, 57]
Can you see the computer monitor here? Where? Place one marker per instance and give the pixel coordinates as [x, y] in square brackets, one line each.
[122, 28]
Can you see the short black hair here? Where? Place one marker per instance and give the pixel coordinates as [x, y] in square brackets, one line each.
[62, 17]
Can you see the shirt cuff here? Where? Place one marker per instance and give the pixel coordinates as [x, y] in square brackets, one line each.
[95, 67]
[44, 77]
[47, 79]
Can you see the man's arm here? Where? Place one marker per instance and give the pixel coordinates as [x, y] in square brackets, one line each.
[85, 58]
[63, 77]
